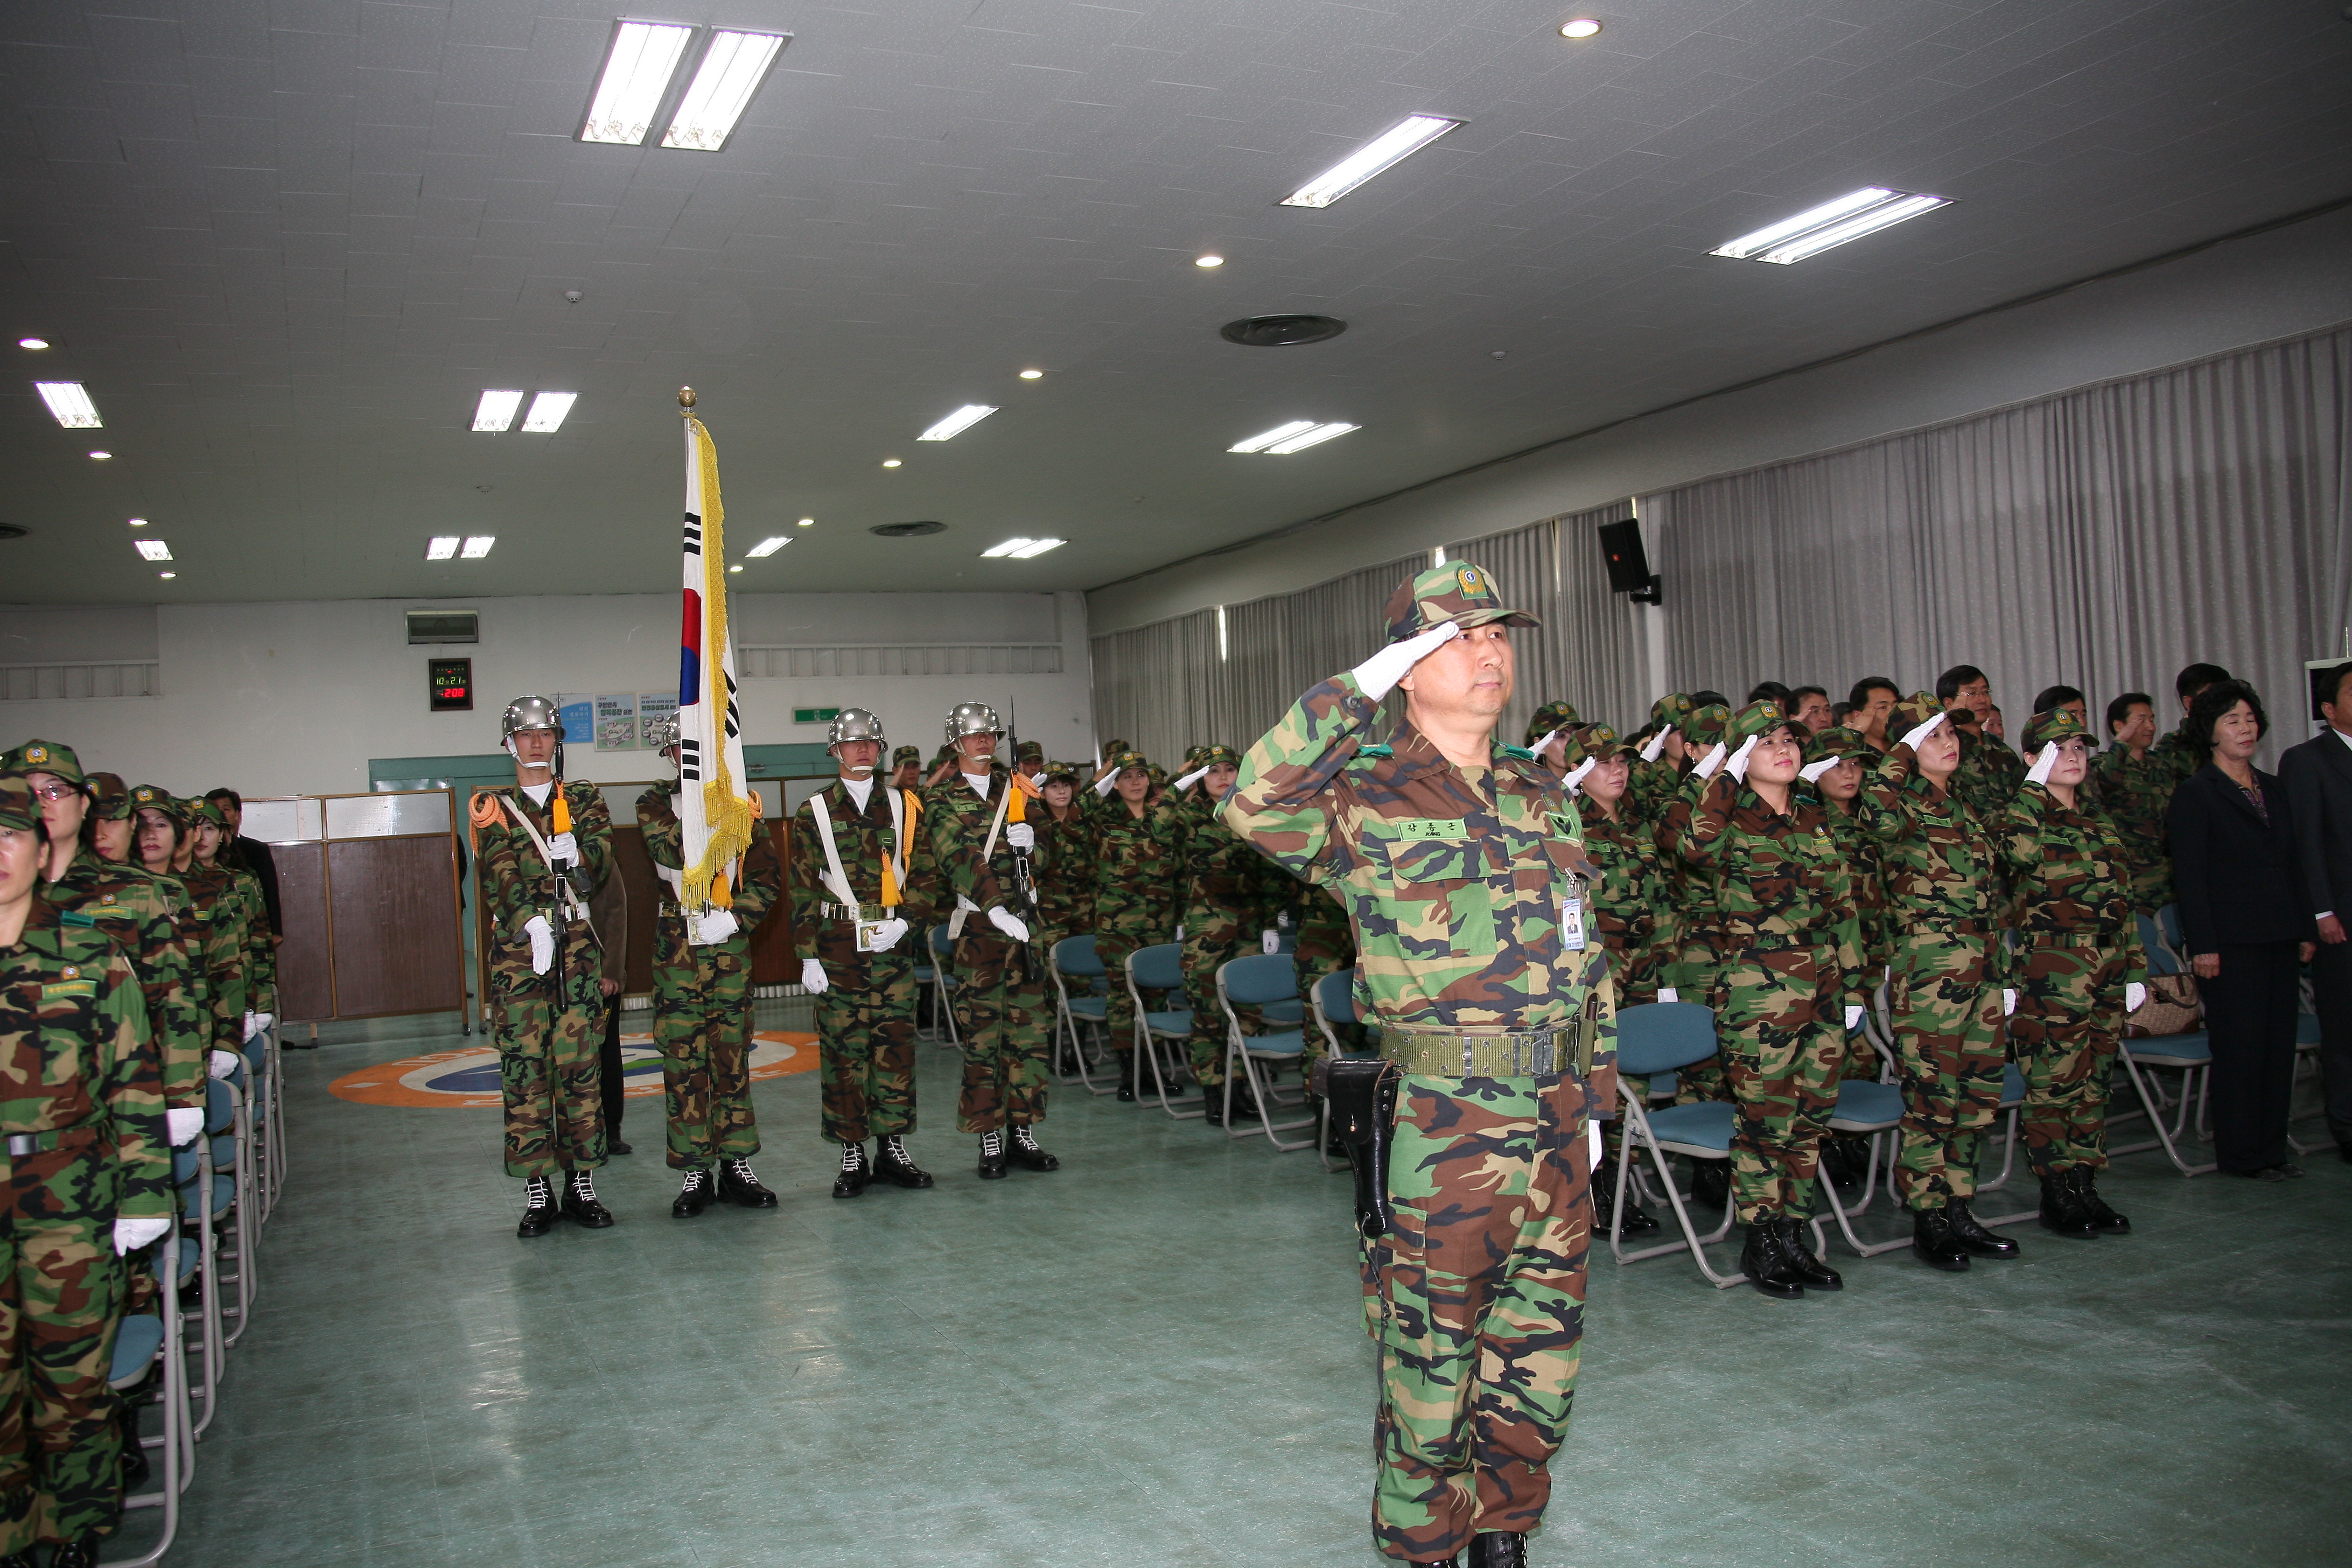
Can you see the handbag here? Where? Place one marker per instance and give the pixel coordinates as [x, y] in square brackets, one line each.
[2173, 1007]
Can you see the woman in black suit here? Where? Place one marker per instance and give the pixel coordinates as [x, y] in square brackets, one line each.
[2248, 927]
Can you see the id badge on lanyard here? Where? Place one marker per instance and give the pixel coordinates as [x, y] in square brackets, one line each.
[1571, 916]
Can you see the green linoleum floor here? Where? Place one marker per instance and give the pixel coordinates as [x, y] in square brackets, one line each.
[1155, 1357]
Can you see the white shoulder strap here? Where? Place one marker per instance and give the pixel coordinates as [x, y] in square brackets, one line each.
[573, 907]
[987, 853]
[834, 880]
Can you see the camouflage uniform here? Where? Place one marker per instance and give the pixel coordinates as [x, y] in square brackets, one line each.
[1873, 930]
[702, 995]
[1990, 773]
[80, 1084]
[1233, 896]
[1944, 989]
[2079, 947]
[1327, 944]
[1632, 906]
[1455, 883]
[1777, 889]
[1000, 997]
[2134, 794]
[1065, 876]
[194, 926]
[549, 1071]
[1652, 786]
[1139, 865]
[219, 916]
[866, 1014]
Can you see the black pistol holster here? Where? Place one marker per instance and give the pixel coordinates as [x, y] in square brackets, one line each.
[1362, 1094]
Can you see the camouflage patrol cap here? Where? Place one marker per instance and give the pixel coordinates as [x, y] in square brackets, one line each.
[1061, 773]
[1549, 717]
[1457, 592]
[1759, 717]
[155, 797]
[1674, 708]
[18, 809]
[1839, 741]
[1215, 757]
[1193, 755]
[1028, 752]
[207, 812]
[1121, 761]
[1703, 727]
[1598, 740]
[1912, 711]
[2056, 724]
[109, 798]
[44, 757]
[1115, 748]
[904, 756]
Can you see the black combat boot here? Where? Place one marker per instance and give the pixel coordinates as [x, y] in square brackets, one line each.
[696, 1194]
[25, 1559]
[2095, 1208]
[1635, 1222]
[538, 1207]
[1710, 1185]
[580, 1205]
[2062, 1213]
[891, 1165]
[135, 1469]
[739, 1186]
[1970, 1233]
[855, 1172]
[992, 1156]
[1126, 1077]
[1213, 1104]
[1933, 1243]
[1498, 1549]
[1761, 1260]
[1808, 1270]
[82, 1554]
[1025, 1153]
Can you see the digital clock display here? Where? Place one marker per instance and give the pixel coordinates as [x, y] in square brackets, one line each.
[452, 682]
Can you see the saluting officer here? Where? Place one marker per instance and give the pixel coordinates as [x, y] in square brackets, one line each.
[1231, 900]
[81, 1112]
[1463, 870]
[540, 849]
[980, 855]
[852, 910]
[702, 1005]
[906, 768]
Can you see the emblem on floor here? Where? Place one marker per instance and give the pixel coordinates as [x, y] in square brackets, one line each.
[463, 1079]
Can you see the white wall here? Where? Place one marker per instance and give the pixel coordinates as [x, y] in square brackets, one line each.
[295, 697]
[2271, 286]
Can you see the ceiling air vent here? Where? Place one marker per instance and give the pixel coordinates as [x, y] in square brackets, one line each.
[1281, 331]
[445, 626]
[906, 529]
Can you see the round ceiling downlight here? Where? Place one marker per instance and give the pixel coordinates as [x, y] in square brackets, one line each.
[1281, 331]
[906, 529]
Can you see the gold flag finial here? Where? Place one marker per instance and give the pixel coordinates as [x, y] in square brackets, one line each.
[686, 398]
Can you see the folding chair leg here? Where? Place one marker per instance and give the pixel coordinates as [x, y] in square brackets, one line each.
[1159, 1083]
[2165, 1137]
[1828, 1189]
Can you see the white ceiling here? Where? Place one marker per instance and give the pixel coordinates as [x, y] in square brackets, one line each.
[286, 242]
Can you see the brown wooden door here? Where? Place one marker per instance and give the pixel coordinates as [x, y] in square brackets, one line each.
[393, 909]
[306, 982]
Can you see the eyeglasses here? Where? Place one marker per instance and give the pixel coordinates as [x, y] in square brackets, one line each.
[53, 790]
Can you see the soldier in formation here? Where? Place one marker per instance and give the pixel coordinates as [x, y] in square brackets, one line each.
[1139, 854]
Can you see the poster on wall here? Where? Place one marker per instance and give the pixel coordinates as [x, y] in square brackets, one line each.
[616, 721]
[653, 706]
[579, 718]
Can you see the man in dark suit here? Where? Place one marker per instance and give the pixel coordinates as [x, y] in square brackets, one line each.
[252, 855]
[2317, 775]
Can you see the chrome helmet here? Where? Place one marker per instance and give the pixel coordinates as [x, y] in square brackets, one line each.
[530, 713]
[854, 724]
[973, 718]
[661, 733]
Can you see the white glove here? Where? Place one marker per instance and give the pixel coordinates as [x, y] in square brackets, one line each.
[255, 1023]
[224, 1063]
[1269, 942]
[1811, 771]
[2008, 1002]
[1538, 746]
[1109, 782]
[1657, 743]
[542, 943]
[1592, 1144]
[184, 1123]
[1576, 774]
[812, 977]
[887, 934]
[1737, 766]
[1179, 934]
[131, 1235]
[564, 847]
[1195, 776]
[1378, 675]
[2134, 994]
[1921, 732]
[1708, 763]
[1007, 922]
[1021, 836]
[1853, 1018]
[713, 927]
[1668, 993]
[2040, 772]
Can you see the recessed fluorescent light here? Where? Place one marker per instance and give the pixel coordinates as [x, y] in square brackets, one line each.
[768, 546]
[889, 462]
[478, 545]
[1032, 375]
[1208, 261]
[546, 412]
[138, 522]
[1392, 146]
[70, 404]
[1832, 223]
[1305, 438]
[732, 70]
[441, 547]
[636, 73]
[167, 576]
[956, 424]
[1261, 441]
[805, 522]
[1582, 27]
[1035, 547]
[1007, 548]
[101, 456]
[737, 567]
[153, 549]
[32, 342]
[496, 411]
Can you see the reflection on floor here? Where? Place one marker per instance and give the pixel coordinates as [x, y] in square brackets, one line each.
[1155, 1357]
